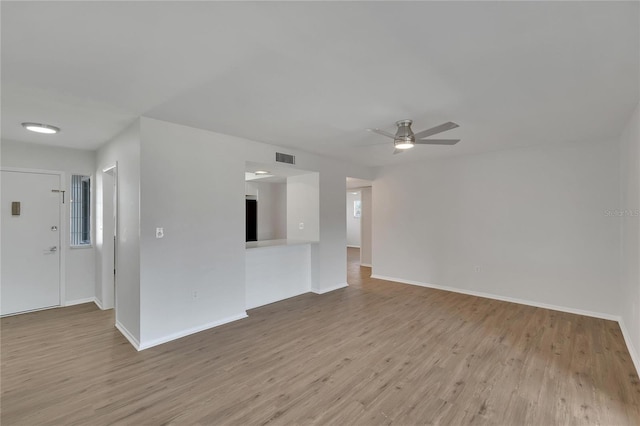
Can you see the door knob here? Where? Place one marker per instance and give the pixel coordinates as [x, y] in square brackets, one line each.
[54, 248]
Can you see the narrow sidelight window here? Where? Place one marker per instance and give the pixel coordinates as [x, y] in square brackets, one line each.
[80, 210]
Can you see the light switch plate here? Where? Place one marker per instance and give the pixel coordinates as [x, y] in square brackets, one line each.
[159, 232]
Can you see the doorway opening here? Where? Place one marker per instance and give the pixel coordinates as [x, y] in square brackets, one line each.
[109, 237]
[359, 207]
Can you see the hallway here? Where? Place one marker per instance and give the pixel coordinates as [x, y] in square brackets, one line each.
[355, 272]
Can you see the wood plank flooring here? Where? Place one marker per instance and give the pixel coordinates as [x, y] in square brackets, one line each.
[374, 353]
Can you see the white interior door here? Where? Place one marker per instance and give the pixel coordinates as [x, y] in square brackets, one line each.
[30, 242]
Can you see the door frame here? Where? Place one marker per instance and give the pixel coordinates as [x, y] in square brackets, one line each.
[115, 220]
[62, 226]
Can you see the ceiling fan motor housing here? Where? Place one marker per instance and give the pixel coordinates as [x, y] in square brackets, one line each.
[404, 134]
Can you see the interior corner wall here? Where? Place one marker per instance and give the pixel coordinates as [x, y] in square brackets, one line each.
[79, 263]
[526, 224]
[353, 223]
[366, 225]
[192, 185]
[125, 150]
[629, 213]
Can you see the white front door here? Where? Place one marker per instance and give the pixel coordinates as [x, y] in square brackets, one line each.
[30, 277]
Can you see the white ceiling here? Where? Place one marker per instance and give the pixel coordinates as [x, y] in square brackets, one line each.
[278, 173]
[314, 76]
[353, 183]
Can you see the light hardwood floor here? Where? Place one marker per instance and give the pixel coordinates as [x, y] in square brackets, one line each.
[374, 353]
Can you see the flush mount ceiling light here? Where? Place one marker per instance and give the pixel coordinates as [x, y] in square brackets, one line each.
[41, 128]
[261, 172]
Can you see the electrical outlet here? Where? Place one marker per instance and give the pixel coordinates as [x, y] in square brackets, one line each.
[477, 269]
[159, 232]
[301, 225]
[194, 295]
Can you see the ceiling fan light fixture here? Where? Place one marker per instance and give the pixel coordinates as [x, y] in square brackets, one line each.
[403, 143]
[405, 138]
[41, 128]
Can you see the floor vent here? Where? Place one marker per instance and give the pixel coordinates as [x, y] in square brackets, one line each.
[285, 158]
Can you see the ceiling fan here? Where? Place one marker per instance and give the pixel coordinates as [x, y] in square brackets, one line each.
[405, 138]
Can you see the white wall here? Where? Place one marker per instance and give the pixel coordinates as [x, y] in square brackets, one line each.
[272, 209]
[353, 223]
[278, 216]
[526, 224]
[192, 185]
[303, 198]
[630, 208]
[125, 150]
[79, 262]
[277, 273]
[366, 228]
[331, 253]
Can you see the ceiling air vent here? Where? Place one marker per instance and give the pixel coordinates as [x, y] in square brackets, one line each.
[285, 158]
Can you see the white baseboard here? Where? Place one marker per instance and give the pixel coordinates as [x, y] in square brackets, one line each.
[617, 318]
[630, 347]
[134, 342]
[187, 332]
[95, 300]
[79, 301]
[366, 265]
[352, 246]
[280, 299]
[502, 298]
[98, 303]
[327, 290]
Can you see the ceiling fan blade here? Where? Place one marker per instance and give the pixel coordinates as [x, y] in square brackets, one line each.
[437, 142]
[373, 144]
[382, 132]
[398, 151]
[435, 130]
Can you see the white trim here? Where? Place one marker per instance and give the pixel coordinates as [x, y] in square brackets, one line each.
[502, 298]
[28, 170]
[187, 332]
[627, 338]
[353, 246]
[134, 342]
[625, 333]
[98, 303]
[64, 239]
[32, 310]
[92, 213]
[366, 265]
[249, 307]
[79, 301]
[327, 290]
